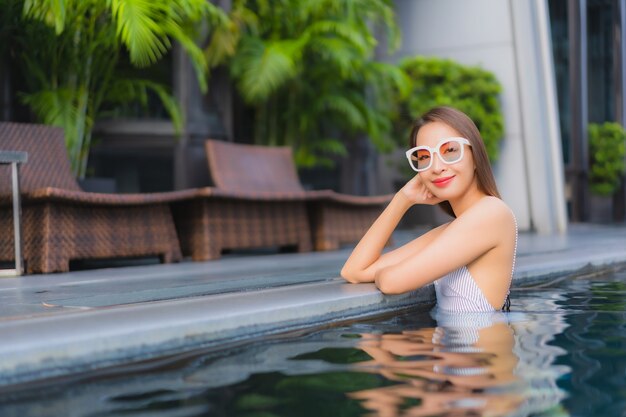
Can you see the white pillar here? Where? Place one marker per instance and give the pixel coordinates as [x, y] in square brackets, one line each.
[539, 115]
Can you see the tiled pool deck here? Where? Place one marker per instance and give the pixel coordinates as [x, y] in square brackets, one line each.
[53, 325]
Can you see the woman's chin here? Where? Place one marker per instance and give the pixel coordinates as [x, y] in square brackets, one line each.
[445, 195]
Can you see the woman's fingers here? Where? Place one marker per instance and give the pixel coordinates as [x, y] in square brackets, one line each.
[418, 193]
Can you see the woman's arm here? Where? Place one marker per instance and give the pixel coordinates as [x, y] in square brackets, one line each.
[468, 237]
[366, 258]
[371, 245]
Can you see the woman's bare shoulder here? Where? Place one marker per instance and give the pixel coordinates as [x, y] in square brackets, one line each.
[492, 211]
[494, 202]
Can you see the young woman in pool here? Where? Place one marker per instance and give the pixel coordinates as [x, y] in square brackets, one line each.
[471, 258]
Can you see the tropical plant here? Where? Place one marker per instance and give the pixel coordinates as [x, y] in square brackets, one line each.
[607, 147]
[443, 82]
[307, 68]
[70, 49]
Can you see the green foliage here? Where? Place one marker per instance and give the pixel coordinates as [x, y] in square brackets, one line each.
[336, 355]
[258, 402]
[69, 50]
[307, 68]
[276, 394]
[443, 82]
[607, 146]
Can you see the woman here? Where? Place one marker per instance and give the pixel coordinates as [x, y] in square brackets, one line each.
[471, 258]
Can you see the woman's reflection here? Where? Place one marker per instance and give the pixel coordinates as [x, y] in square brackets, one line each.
[464, 366]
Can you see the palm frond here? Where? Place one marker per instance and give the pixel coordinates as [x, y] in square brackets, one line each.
[317, 9]
[380, 13]
[366, 15]
[65, 108]
[362, 42]
[393, 78]
[52, 12]
[264, 67]
[137, 23]
[146, 25]
[222, 45]
[345, 108]
[53, 107]
[336, 53]
[223, 40]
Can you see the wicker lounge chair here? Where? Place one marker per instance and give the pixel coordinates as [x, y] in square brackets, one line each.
[63, 223]
[217, 220]
[269, 212]
[269, 173]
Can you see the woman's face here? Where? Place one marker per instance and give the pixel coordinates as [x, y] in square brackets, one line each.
[447, 181]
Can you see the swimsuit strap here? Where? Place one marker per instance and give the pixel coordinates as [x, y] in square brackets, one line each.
[507, 304]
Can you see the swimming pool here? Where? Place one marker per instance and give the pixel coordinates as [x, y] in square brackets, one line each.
[561, 352]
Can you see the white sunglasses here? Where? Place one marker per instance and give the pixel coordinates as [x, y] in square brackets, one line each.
[450, 151]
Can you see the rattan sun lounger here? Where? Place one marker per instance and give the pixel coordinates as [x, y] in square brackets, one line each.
[267, 212]
[216, 220]
[268, 175]
[342, 218]
[63, 223]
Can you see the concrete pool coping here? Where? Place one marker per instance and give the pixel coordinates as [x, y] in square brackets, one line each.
[60, 324]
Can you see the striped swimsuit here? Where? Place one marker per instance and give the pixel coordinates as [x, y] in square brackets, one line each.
[458, 291]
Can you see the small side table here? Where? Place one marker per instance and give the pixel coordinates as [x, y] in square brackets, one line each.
[15, 158]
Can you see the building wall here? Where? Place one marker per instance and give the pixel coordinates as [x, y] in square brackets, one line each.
[484, 33]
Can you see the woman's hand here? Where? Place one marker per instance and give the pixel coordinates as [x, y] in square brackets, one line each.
[417, 193]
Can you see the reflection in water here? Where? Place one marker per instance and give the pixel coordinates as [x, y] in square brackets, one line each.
[491, 365]
[536, 347]
[467, 365]
[414, 364]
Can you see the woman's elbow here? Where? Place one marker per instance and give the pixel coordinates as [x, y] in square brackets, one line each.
[386, 284]
[349, 275]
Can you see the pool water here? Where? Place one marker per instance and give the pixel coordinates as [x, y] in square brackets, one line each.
[561, 352]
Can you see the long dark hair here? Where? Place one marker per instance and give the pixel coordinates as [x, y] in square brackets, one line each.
[460, 122]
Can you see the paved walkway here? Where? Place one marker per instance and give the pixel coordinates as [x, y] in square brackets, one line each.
[52, 325]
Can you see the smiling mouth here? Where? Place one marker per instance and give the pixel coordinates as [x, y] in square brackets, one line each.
[442, 182]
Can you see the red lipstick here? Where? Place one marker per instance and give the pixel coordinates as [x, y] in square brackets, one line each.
[442, 182]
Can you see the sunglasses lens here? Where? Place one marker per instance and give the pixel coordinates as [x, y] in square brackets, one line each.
[451, 151]
[421, 158]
